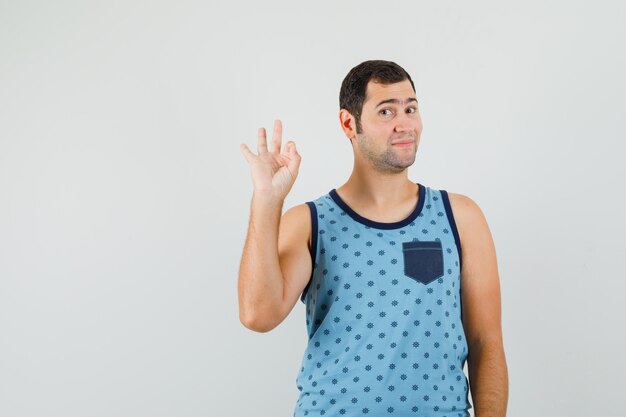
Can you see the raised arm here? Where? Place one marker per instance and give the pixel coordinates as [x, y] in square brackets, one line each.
[276, 263]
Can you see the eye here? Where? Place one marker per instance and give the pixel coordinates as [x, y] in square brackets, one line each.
[384, 110]
[412, 109]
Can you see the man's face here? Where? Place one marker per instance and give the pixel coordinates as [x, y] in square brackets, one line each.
[389, 117]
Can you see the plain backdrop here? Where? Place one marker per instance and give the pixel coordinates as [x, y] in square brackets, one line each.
[124, 197]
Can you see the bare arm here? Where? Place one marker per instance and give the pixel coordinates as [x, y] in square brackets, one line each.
[275, 264]
[260, 284]
[480, 293]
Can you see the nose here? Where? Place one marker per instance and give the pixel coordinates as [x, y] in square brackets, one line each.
[404, 123]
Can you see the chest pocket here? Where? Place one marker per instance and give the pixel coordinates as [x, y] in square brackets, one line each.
[423, 261]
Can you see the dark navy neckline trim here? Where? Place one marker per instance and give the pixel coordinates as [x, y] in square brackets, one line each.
[381, 225]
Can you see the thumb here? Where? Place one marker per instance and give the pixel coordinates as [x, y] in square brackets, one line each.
[294, 156]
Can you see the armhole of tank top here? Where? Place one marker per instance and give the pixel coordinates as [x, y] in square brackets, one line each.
[455, 232]
[313, 247]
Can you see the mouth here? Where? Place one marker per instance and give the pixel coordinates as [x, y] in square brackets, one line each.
[403, 144]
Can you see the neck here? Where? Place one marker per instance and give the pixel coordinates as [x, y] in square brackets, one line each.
[378, 190]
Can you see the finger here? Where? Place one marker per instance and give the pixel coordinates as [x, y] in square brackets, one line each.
[262, 145]
[294, 157]
[247, 153]
[288, 149]
[277, 136]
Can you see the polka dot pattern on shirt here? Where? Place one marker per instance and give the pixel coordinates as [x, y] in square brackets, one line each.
[383, 314]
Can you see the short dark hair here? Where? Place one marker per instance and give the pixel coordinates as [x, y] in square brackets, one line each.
[354, 86]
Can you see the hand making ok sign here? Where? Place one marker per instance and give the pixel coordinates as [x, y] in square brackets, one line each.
[273, 171]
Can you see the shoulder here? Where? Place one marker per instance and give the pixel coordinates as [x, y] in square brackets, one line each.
[480, 282]
[296, 213]
[296, 221]
[462, 204]
[467, 213]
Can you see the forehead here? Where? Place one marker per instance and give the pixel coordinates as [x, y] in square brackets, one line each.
[376, 92]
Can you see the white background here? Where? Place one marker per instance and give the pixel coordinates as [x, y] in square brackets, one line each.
[124, 197]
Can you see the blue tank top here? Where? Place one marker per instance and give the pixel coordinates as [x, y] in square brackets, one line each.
[383, 314]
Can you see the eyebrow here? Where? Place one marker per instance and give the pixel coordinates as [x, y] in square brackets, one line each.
[396, 101]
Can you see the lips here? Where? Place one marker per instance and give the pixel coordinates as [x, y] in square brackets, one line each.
[402, 141]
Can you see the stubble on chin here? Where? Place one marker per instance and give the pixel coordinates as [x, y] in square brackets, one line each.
[390, 160]
[394, 161]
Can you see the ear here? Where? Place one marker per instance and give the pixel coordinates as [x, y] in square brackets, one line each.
[348, 123]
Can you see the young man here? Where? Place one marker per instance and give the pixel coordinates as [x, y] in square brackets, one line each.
[400, 280]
